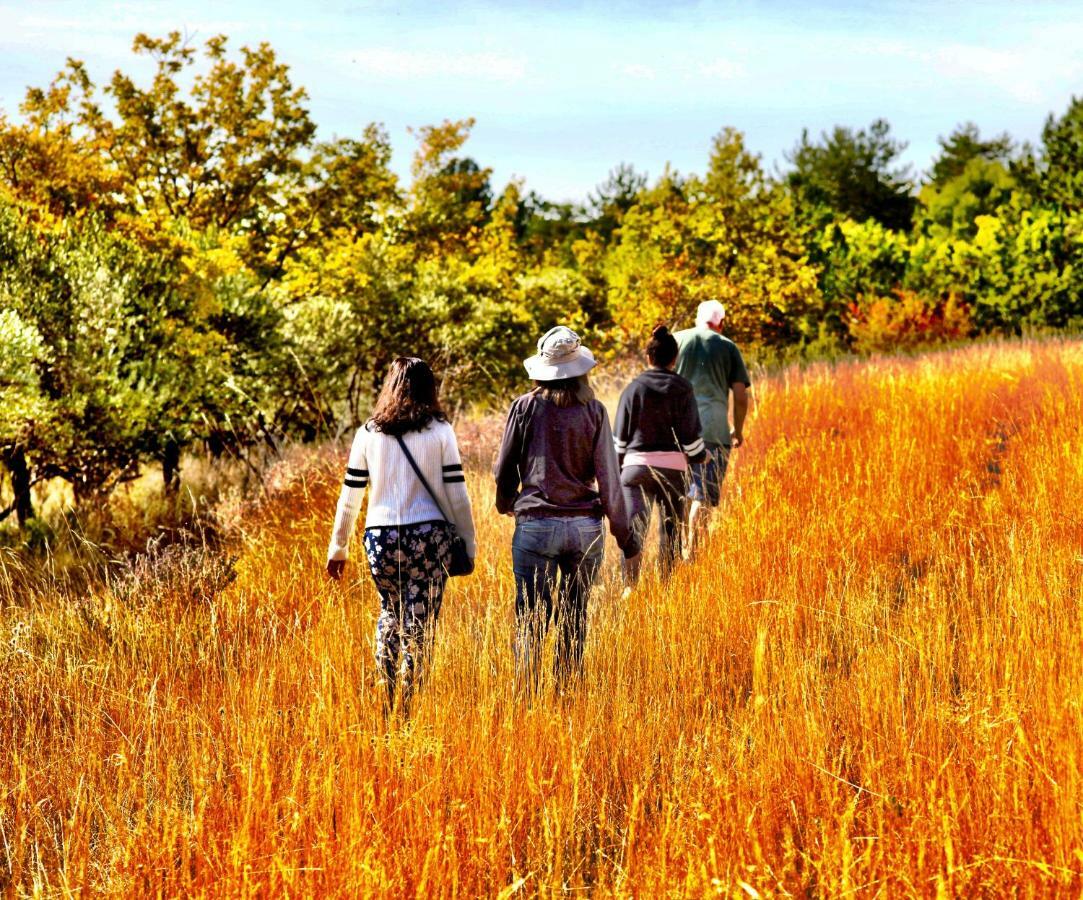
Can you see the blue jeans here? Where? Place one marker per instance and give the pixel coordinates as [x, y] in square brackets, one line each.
[707, 476]
[542, 547]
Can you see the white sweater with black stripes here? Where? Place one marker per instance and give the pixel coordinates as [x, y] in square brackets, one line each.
[396, 497]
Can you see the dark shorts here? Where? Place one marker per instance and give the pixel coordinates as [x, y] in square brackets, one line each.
[707, 476]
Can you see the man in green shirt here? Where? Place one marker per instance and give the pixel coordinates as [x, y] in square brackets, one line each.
[714, 365]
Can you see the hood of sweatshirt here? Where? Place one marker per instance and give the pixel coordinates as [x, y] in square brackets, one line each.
[661, 381]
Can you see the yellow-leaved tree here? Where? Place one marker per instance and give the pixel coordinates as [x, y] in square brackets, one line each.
[727, 235]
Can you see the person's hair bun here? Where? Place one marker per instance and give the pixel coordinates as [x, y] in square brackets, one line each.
[662, 347]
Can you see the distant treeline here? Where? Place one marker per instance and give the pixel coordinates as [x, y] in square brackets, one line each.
[183, 262]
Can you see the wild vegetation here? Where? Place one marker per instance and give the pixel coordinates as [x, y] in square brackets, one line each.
[185, 264]
[869, 683]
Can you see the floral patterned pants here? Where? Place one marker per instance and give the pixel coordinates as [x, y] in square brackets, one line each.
[409, 566]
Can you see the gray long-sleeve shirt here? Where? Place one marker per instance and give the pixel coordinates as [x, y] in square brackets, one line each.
[560, 461]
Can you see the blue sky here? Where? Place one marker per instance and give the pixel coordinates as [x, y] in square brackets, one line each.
[563, 91]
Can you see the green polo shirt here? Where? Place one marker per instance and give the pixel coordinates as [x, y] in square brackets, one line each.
[713, 364]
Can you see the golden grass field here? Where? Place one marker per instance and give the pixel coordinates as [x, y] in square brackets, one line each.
[870, 684]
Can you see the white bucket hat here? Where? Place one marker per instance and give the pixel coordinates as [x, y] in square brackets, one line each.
[560, 355]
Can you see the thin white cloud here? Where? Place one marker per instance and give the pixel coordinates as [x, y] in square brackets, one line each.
[721, 70]
[638, 71]
[673, 70]
[58, 36]
[1031, 71]
[1011, 72]
[389, 63]
[102, 36]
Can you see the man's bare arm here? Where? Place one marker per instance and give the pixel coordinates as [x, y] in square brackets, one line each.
[740, 410]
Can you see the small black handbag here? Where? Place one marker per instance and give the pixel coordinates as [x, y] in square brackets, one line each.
[461, 563]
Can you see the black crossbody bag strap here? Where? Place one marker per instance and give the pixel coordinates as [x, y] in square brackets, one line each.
[460, 562]
[420, 477]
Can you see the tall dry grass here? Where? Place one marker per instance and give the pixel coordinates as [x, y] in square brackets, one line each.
[871, 683]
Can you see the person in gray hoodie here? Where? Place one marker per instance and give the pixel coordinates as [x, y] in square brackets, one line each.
[557, 473]
[657, 433]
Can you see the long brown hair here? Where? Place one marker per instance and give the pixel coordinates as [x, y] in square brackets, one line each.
[407, 400]
[565, 392]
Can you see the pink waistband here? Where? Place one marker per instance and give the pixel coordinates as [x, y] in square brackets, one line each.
[657, 459]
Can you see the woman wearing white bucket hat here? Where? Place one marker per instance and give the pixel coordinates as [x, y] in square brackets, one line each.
[557, 473]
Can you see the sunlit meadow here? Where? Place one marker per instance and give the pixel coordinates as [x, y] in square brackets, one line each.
[870, 683]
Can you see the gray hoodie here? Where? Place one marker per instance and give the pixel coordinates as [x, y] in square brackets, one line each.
[657, 412]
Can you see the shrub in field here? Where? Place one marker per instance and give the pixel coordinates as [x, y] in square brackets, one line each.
[184, 569]
[857, 259]
[906, 321]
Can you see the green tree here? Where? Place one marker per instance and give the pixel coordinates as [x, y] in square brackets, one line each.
[964, 144]
[346, 186]
[614, 197]
[728, 235]
[1054, 175]
[450, 196]
[349, 183]
[80, 294]
[209, 170]
[952, 207]
[227, 152]
[852, 174]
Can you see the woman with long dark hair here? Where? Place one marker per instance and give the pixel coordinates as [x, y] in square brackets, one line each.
[411, 522]
[557, 474]
[657, 433]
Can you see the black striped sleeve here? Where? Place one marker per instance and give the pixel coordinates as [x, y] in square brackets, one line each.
[695, 448]
[453, 474]
[356, 478]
